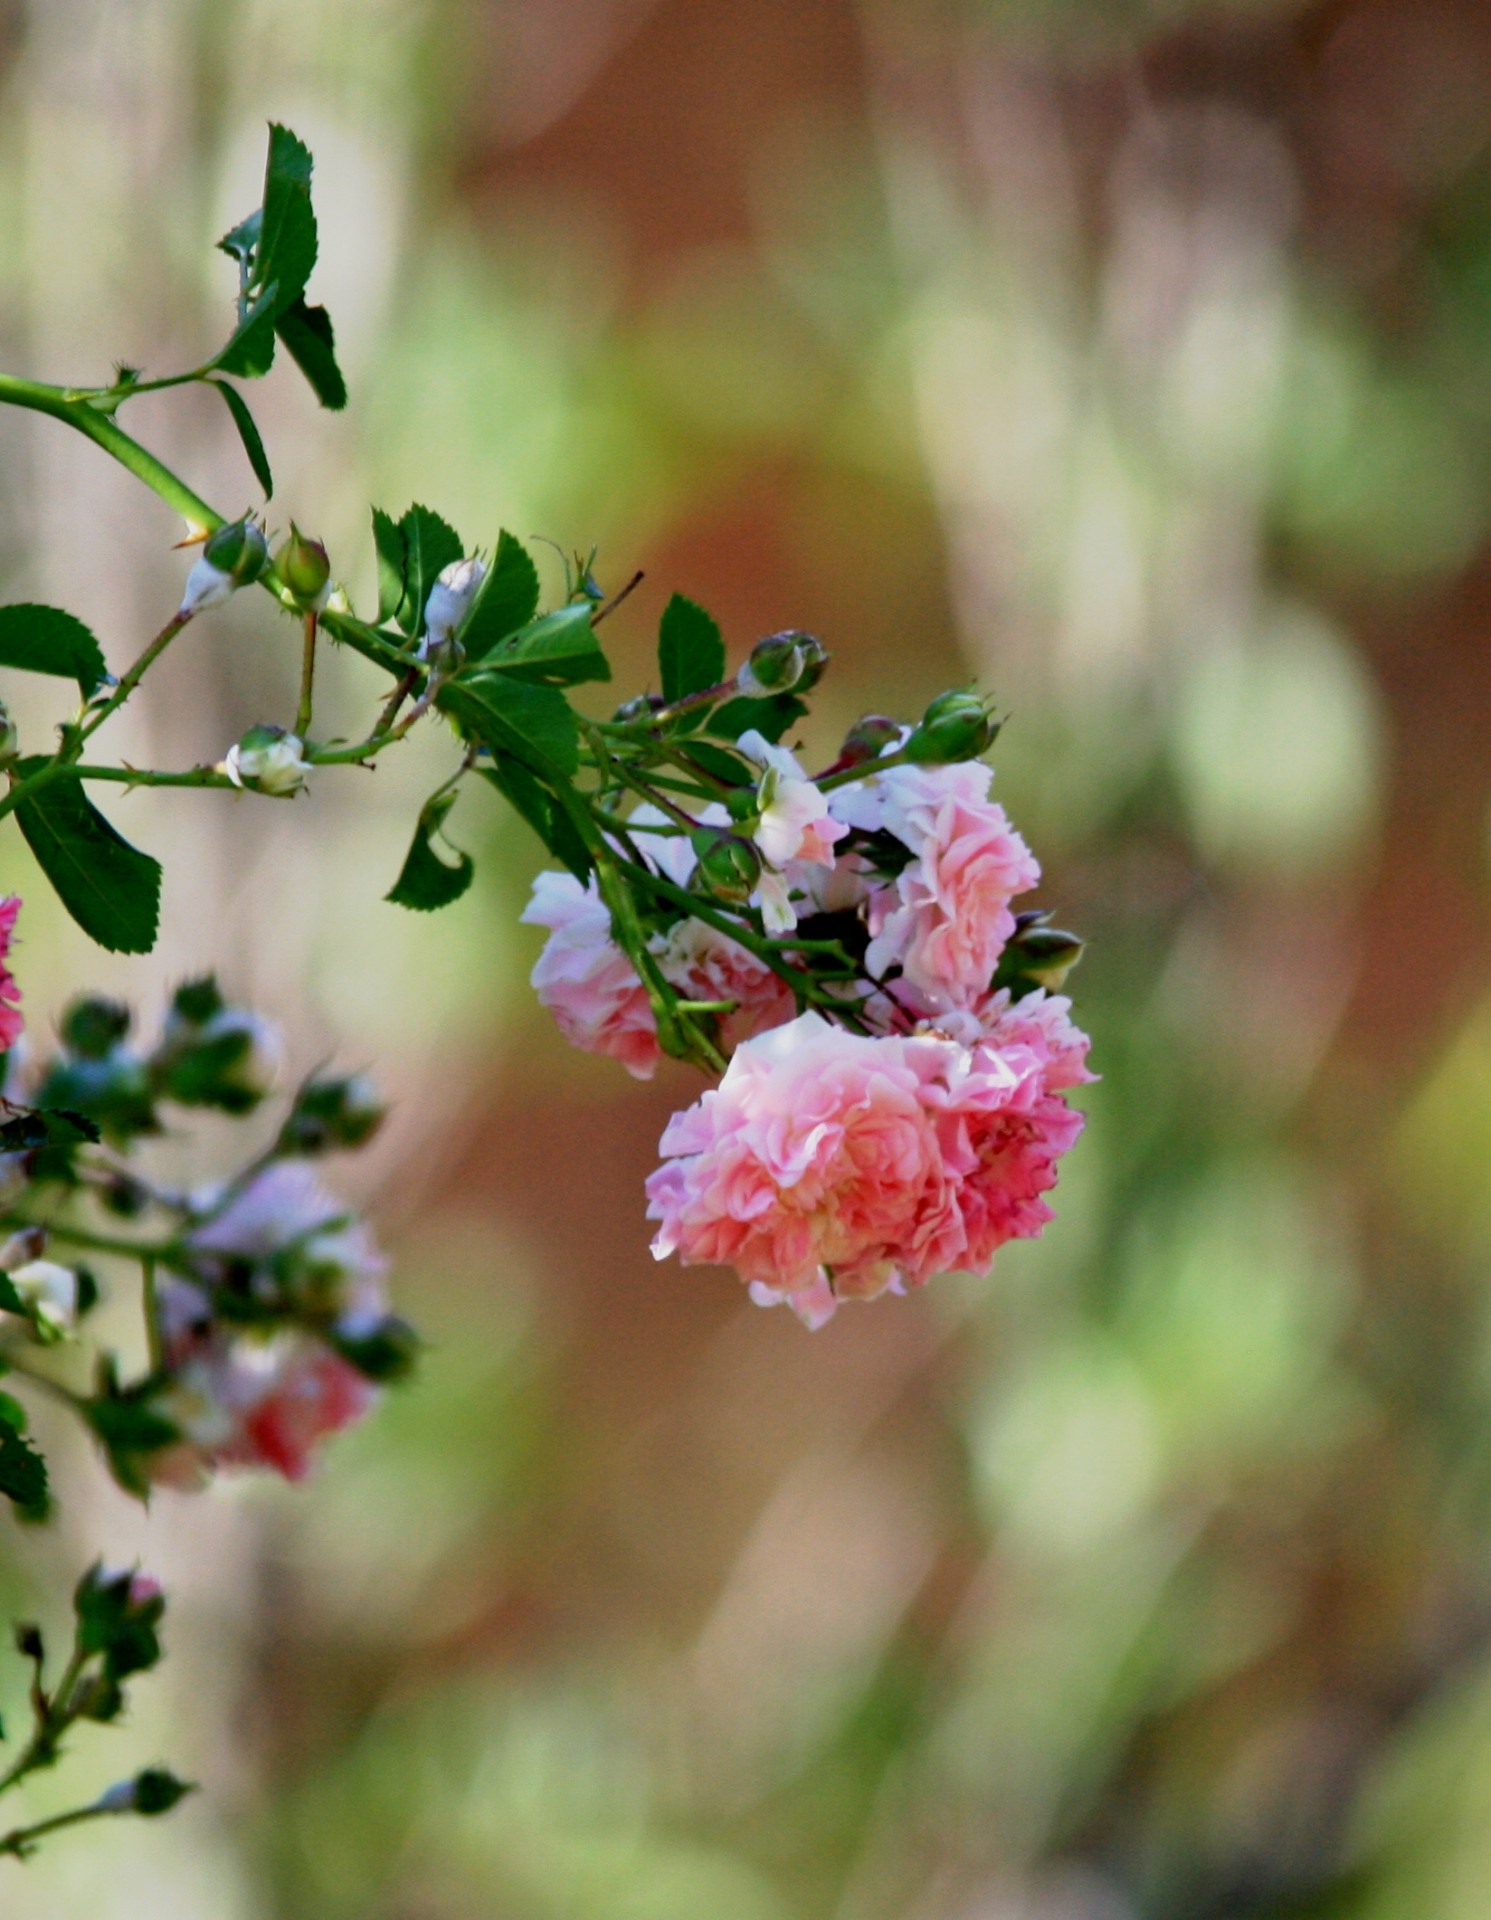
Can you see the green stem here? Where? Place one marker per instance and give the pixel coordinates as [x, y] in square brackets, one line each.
[51, 1723]
[165, 1250]
[150, 1304]
[22, 1840]
[75, 410]
[149, 777]
[307, 676]
[133, 676]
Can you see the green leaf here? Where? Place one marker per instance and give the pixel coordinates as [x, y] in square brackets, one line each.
[11, 1300]
[558, 650]
[109, 887]
[287, 247]
[725, 766]
[430, 545]
[23, 1473]
[691, 654]
[546, 817]
[536, 724]
[311, 344]
[250, 352]
[248, 433]
[46, 1127]
[508, 599]
[389, 543]
[770, 718]
[48, 640]
[427, 882]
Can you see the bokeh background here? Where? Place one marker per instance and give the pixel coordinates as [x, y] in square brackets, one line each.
[1134, 358]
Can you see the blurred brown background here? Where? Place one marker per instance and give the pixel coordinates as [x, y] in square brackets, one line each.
[1136, 360]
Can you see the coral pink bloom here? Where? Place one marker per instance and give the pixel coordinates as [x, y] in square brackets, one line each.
[815, 1152]
[830, 1166]
[11, 1018]
[586, 980]
[1003, 1122]
[312, 1394]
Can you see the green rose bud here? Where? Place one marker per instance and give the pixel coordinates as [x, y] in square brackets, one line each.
[92, 1027]
[232, 557]
[868, 738]
[775, 666]
[1047, 955]
[303, 566]
[729, 866]
[382, 1348]
[333, 1113]
[957, 726]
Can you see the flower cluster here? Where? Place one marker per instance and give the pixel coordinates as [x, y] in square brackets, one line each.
[894, 1066]
[266, 1323]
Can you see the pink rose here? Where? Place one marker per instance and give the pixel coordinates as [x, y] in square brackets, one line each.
[945, 918]
[829, 1166]
[1003, 1122]
[11, 1019]
[704, 964]
[585, 980]
[815, 1152]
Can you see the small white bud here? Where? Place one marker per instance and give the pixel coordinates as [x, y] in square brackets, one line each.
[450, 599]
[206, 586]
[268, 760]
[51, 1292]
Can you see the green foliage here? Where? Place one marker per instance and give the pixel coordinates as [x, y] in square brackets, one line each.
[507, 601]
[248, 433]
[311, 343]
[691, 653]
[413, 553]
[109, 887]
[559, 649]
[388, 542]
[276, 248]
[49, 640]
[23, 1473]
[770, 718]
[427, 882]
[536, 724]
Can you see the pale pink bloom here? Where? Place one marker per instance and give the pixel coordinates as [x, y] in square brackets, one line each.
[585, 979]
[11, 1018]
[795, 822]
[705, 964]
[815, 1151]
[945, 918]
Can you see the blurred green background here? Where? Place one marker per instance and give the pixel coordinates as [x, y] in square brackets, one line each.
[1135, 357]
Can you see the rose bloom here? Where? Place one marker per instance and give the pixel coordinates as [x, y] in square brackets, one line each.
[816, 1151]
[11, 1019]
[1003, 1124]
[829, 1165]
[240, 1401]
[585, 980]
[705, 964]
[945, 919]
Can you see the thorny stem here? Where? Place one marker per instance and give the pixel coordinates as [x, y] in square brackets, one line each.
[53, 1718]
[307, 676]
[133, 676]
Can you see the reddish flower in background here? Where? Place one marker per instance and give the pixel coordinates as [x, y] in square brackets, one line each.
[11, 1018]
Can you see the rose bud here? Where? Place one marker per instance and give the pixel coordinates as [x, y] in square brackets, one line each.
[232, 557]
[304, 567]
[268, 760]
[957, 726]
